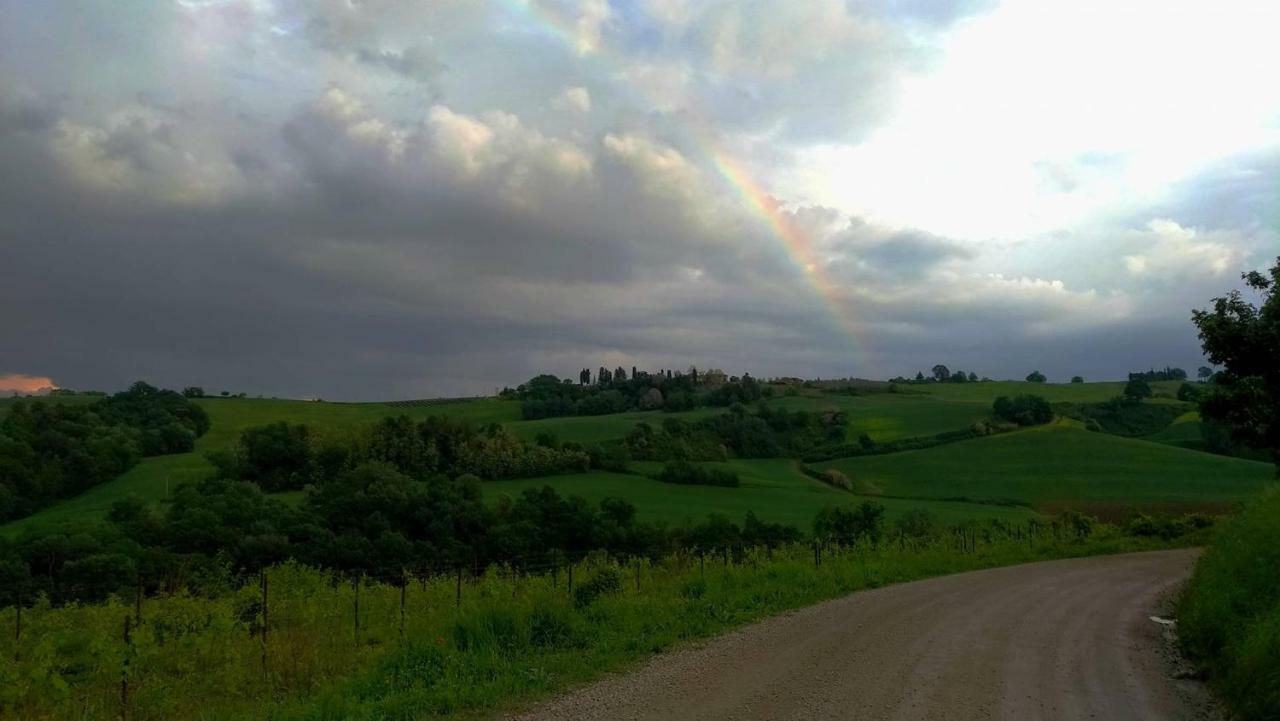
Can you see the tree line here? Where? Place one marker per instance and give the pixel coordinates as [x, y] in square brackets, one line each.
[548, 396]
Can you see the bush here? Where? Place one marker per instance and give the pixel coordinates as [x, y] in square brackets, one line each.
[1023, 410]
[606, 581]
[1229, 616]
[687, 474]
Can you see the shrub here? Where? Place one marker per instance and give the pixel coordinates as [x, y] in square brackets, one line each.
[606, 581]
[1229, 616]
[1024, 410]
[688, 474]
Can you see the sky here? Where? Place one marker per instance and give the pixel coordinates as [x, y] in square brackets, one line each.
[381, 199]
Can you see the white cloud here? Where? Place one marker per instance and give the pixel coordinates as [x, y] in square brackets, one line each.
[575, 98]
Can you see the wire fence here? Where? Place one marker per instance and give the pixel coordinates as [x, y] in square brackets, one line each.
[292, 630]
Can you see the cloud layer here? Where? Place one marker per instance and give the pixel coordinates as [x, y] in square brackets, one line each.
[377, 200]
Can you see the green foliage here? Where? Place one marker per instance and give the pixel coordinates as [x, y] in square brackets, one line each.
[1245, 396]
[1123, 417]
[1077, 379]
[512, 639]
[848, 525]
[1229, 615]
[1137, 389]
[689, 474]
[49, 451]
[1190, 392]
[1022, 410]
[1036, 377]
[1056, 465]
[607, 581]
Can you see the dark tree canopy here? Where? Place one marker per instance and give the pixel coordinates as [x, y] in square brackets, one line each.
[1244, 340]
[1036, 377]
[1137, 389]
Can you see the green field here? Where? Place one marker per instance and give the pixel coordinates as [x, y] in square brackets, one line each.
[155, 477]
[1048, 470]
[891, 416]
[1052, 392]
[1059, 465]
[773, 488]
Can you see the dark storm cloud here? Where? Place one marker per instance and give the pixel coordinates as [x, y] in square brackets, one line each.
[337, 231]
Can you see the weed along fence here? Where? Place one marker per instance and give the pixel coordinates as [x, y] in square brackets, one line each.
[447, 638]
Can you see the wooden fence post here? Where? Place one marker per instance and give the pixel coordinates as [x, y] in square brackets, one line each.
[124, 671]
[404, 583]
[355, 584]
[265, 619]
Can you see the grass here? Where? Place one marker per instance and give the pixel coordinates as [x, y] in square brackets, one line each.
[891, 416]
[1183, 432]
[773, 488]
[1052, 392]
[1229, 615]
[1059, 465]
[512, 640]
[921, 411]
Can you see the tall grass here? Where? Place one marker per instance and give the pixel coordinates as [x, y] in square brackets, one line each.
[1229, 616]
[514, 637]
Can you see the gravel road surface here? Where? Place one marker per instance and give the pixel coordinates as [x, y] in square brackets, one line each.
[1067, 639]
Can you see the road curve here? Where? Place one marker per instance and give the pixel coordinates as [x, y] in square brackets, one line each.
[1055, 640]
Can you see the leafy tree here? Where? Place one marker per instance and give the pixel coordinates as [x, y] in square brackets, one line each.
[1036, 377]
[919, 377]
[973, 377]
[1189, 392]
[848, 525]
[193, 392]
[1204, 373]
[619, 374]
[1077, 379]
[1024, 410]
[1137, 389]
[584, 377]
[1244, 340]
[941, 373]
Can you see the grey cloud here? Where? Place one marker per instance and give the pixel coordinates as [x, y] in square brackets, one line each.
[416, 62]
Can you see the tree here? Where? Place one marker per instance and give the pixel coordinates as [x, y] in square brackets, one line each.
[1024, 410]
[620, 374]
[1036, 377]
[193, 392]
[584, 377]
[941, 373]
[973, 377]
[1205, 373]
[919, 377]
[1137, 389]
[1077, 379]
[1244, 340]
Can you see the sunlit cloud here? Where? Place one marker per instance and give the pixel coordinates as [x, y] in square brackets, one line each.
[25, 384]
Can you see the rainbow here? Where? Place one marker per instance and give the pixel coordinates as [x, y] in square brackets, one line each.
[796, 244]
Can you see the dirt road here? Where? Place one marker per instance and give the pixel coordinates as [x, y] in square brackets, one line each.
[1057, 640]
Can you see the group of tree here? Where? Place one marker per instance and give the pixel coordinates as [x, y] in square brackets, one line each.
[1165, 374]
[50, 451]
[1022, 410]
[283, 456]
[547, 396]
[940, 374]
[369, 519]
[765, 432]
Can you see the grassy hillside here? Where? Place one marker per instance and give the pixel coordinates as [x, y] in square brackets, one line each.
[773, 488]
[1059, 465]
[890, 416]
[154, 477]
[918, 411]
[1052, 392]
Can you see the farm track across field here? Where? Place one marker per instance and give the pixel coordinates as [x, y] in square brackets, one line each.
[1056, 640]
